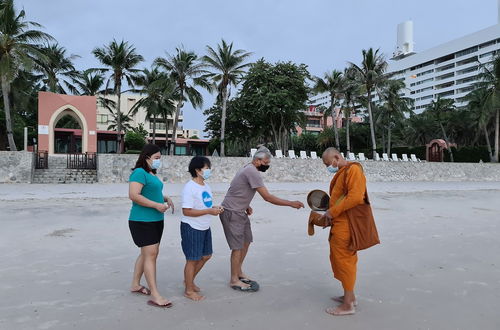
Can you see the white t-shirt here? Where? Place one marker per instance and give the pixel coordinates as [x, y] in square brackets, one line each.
[197, 197]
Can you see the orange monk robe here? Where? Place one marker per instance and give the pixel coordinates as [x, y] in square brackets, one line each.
[342, 259]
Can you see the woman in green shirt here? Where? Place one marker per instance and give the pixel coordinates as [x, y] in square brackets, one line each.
[146, 221]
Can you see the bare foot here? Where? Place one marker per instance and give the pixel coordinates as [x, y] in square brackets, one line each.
[341, 310]
[159, 300]
[193, 296]
[341, 300]
[195, 287]
[140, 289]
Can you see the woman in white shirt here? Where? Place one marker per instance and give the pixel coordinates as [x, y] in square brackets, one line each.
[197, 210]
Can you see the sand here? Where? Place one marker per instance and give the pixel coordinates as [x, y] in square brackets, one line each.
[67, 256]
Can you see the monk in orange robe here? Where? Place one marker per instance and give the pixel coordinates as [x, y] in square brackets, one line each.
[342, 259]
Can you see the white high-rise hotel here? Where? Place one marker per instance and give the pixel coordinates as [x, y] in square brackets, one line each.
[448, 70]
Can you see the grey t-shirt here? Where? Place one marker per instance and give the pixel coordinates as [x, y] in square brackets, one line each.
[242, 189]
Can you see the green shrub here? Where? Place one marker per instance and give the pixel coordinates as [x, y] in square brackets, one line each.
[134, 141]
[131, 151]
[468, 154]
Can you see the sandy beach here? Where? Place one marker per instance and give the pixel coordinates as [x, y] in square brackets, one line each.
[67, 258]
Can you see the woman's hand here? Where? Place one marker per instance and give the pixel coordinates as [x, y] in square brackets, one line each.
[169, 203]
[161, 207]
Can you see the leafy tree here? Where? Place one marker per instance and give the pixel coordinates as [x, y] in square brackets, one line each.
[56, 68]
[479, 104]
[440, 109]
[227, 66]
[121, 59]
[87, 82]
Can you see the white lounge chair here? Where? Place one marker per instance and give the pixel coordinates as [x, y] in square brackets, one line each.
[385, 157]
[361, 157]
[252, 152]
[394, 158]
[414, 158]
[314, 155]
[342, 155]
[278, 154]
[291, 154]
[377, 157]
[303, 155]
[351, 156]
[404, 158]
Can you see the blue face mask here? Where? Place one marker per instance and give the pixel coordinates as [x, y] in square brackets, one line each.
[207, 173]
[332, 169]
[155, 164]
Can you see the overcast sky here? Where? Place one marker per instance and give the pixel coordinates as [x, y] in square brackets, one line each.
[324, 34]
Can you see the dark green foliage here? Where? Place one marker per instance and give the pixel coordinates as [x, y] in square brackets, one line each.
[134, 141]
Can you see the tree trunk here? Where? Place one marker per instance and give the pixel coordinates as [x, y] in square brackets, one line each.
[223, 121]
[389, 139]
[8, 118]
[488, 144]
[497, 137]
[334, 119]
[118, 90]
[176, 121]
[347, 137]
[447, 143]
[372, 128]
[154, 129]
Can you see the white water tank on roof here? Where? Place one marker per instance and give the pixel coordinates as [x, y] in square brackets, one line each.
[405, 38]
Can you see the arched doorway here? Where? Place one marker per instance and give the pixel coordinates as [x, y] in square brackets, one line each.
[68, 139]
[435, 150]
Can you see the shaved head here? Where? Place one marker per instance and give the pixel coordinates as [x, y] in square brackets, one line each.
[333, 156]
[330, 152]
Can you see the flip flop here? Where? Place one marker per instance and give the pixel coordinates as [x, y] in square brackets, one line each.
[332, 311]
[142, 290]
[243, 289]
[341, 300]
[154, 304]
[253, 284]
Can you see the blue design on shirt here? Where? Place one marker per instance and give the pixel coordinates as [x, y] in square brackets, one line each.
[207, 199]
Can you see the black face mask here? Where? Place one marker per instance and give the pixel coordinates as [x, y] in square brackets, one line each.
[263, 167]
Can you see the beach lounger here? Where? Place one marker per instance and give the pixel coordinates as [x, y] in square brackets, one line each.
[342, 155]
[377, 157]
[385, 157]
[404, 157]
[291, 154]
[394, 158]
[303, 155]
[361, 157]
[414, 158]
[351, 156]
[252, 152]
[314, 155]
[278, 154]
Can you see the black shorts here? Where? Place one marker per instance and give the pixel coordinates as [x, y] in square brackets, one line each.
[146, 233]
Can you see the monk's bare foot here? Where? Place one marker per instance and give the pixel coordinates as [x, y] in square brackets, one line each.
[159, 300]
[341, 300]
[344, 309]
[193, 295]
[195, 287]
[240, 284]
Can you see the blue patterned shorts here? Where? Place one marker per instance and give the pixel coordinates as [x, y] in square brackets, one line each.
[195, 243]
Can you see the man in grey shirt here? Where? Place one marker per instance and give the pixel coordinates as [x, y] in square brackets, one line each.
[237, 208]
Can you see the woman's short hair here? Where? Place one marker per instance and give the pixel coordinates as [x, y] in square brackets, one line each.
[147, 151]
[197, 163]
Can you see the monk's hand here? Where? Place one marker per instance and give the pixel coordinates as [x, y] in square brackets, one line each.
[296, 205]
[249, 211]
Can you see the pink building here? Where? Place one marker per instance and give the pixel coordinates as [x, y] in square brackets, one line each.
[315, 121]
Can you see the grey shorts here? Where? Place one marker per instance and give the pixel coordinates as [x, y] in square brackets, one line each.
[236, 228]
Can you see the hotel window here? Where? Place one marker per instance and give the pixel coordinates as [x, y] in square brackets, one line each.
[469, 70]
[466, 80]
[487, 44]
[466, 51]
[467, 61]
[446, 67]
[424, 73]
[492, 53]
[102, 119]
[445, 76]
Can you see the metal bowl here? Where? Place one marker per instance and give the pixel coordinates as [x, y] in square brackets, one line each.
[318, 200]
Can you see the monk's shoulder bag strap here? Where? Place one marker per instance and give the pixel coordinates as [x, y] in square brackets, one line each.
[361, 222]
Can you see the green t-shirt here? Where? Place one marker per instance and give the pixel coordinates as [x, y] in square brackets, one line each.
[153, 190]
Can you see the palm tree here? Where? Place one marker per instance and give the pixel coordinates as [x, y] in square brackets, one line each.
[351, 95]
[439, 109]
[158, 88]
[227, 66]
[18, 48]
[57, 68]
[116, 117]
[395, 106]
[490, 80]
[333, 84]
[481, 107]
[88, 82]
[371, 73]
[187, 73]
[121, 58]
